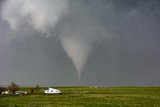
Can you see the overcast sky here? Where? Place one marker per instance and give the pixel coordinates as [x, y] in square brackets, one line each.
[80, 42]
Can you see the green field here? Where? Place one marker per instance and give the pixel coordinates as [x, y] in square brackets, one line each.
[87, 97]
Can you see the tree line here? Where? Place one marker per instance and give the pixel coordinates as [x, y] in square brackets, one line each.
[13, 87]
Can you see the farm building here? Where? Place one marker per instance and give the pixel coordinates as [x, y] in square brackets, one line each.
[52, 91]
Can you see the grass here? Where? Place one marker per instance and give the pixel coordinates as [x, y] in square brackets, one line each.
[87, 97]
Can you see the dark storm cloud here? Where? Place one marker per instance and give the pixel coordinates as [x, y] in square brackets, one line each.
[1, 2]
[122, 49]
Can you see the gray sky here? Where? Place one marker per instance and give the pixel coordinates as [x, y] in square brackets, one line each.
[104, 42]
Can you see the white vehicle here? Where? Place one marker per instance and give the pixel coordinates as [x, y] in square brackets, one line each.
[52, 91]
[20, 92]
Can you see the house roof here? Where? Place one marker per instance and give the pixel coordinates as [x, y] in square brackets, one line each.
[52, 88]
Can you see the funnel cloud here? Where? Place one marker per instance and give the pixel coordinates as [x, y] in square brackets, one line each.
[97, 42]
[43, 17]
[78, 50]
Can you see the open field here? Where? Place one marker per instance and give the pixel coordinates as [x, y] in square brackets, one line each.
[87, 97]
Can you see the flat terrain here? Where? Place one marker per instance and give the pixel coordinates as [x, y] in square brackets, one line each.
[87, 97]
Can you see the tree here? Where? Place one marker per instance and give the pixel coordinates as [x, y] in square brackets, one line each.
[13, 87]
[2, 89]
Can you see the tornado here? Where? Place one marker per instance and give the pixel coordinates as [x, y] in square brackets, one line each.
[78, 50]
[43, 16]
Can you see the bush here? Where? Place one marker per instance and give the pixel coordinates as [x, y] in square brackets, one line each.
[35, 89]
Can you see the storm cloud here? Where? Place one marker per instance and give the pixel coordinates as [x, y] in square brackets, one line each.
[107, 42]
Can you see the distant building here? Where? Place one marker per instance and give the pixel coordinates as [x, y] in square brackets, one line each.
[6, 92]
[52, 91]
[20, 92]
[17, 92]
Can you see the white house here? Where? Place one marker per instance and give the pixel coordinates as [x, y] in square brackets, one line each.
[52, 91]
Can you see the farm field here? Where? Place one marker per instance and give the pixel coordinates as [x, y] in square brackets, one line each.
[87, 97]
